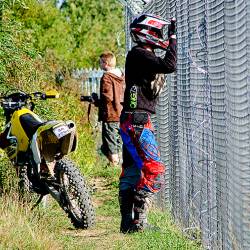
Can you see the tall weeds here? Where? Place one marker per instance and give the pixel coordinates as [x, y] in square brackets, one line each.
[22, 229]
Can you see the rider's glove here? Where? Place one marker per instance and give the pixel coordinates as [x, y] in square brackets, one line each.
[172, 29]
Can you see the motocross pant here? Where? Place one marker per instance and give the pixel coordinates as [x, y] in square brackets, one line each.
[142, 169]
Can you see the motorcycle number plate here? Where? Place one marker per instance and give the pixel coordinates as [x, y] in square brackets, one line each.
[61, 131]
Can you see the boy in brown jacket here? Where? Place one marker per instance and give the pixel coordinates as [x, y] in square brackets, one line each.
[112, 87]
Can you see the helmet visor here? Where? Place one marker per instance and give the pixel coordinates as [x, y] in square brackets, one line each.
[157, 33]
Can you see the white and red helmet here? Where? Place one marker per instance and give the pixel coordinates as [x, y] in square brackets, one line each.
[148, 29]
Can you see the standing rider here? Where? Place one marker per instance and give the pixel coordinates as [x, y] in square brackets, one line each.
[142, 168]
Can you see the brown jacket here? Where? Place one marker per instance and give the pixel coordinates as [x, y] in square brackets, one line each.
[111, 96]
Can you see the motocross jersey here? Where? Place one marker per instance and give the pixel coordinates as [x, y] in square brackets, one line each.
[141, 69]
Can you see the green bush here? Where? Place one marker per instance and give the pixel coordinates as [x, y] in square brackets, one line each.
[23, 67]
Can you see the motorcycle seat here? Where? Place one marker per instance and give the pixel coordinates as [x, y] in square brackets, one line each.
[30, 124]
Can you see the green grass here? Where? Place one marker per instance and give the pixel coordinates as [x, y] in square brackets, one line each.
[49, 228]
[170, 237]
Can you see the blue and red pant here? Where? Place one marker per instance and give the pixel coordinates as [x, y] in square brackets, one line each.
[142, 168]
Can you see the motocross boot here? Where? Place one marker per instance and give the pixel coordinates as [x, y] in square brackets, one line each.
[142, 201]
[126, 209]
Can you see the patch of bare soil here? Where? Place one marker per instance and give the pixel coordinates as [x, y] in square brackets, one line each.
[100, 190]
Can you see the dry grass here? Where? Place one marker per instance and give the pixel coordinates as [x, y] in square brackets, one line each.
[49, 228]
[22, 229]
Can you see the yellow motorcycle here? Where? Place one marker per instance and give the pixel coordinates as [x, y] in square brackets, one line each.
[37, 149]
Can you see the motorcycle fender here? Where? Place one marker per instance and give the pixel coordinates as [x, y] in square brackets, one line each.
[47, 126]
[46, 140]
[51, 134]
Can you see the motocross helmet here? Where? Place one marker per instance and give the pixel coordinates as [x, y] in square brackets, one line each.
[148, 29]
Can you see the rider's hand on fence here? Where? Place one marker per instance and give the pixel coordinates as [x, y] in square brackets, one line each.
[172, 29]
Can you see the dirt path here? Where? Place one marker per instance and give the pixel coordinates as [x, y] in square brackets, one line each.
[106, 229]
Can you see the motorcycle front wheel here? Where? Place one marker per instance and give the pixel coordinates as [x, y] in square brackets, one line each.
[75, 198]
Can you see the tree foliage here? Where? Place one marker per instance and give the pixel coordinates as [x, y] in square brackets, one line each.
[96, 25]
[16, 54]
[74, 35]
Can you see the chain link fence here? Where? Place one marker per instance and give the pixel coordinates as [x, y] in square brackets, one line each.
[203, 122]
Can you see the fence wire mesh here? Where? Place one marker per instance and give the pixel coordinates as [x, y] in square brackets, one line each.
[203, 122]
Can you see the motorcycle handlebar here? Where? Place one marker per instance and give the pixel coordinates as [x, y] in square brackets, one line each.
[20, 98]
[51, 96]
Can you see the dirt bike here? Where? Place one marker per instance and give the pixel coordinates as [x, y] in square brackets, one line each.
[38, 148]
